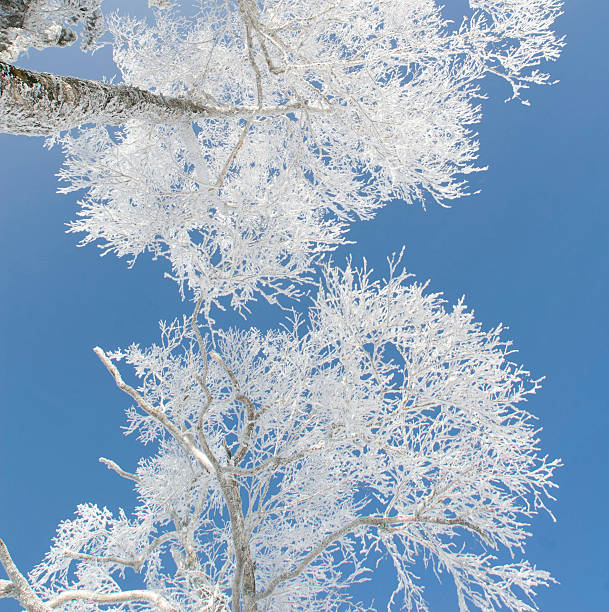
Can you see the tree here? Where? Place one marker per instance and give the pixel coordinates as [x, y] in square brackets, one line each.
[286, 463]
[328, 113]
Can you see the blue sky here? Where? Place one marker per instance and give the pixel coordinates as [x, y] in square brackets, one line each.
[529, 251]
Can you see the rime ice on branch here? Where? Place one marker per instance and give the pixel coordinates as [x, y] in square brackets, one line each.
[43, 23]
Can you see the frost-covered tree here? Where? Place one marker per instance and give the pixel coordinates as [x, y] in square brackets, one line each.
[288, 463]
[275, 123]
[239, 146]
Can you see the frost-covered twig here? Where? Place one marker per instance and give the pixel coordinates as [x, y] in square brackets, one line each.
[113, 598]
[111, 465]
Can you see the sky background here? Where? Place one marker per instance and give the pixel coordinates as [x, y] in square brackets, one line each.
[529, 251]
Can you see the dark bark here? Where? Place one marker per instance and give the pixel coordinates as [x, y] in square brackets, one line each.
[31, 20]
[40, 104]
[13, 14]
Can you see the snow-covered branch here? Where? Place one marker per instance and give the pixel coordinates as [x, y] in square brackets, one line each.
[42, 104]
[7, 589]
[204, 460]
[18, 587]
[111, 465]
[378, 522]
[113, 598]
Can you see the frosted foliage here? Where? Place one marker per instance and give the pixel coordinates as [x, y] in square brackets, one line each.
[390, 427]
[323, 112]
[43, 23]
[380, 429]
[149, 190]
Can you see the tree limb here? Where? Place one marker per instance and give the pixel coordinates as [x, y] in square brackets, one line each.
[382, 522]
[181, 437]
[276, 461]
[7, 589]
[111, 465]
[108, 598]
[136, 563]
[251, 411]
[18, 587]
[41, 104]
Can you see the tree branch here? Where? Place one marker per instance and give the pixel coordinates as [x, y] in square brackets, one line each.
[382, 522]
[41, 104]
[233, 154]
[7, 589]
[111, 465]
[182, 438]
[251, 411]
[136, 564]
[18, 587]
[275, 461]
[108, 598]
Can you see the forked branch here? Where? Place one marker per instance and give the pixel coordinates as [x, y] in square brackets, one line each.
[381, 522]
[135, 563]
[249, 406]
[182, 438]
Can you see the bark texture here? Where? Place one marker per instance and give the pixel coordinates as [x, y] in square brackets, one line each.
[18, 586]
[42, 104]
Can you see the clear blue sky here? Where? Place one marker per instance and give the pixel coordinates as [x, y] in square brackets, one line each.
[530, 251]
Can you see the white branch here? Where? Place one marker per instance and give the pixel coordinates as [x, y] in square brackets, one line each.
[136, 563]
[382, 522]
[250, 409]
[18, 587]
[181, 437]
[276, 461]
[109, 598]
[111, 465]
[7, 589]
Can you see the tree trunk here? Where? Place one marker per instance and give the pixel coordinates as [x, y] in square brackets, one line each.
[41, 104]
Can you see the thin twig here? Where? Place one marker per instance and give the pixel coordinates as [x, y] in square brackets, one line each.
[136, 563]
[233, 154]
[111, 465]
